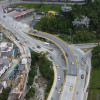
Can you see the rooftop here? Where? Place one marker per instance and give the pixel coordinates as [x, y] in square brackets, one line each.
[4, 62]
[21, 68]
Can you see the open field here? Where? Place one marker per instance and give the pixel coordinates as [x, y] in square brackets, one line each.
[41, 7]
[94, 88]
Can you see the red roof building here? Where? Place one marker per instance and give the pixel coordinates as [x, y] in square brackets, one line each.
[21, 14]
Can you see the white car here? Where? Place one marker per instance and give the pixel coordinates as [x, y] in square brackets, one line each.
[59, 78]
[34, 31]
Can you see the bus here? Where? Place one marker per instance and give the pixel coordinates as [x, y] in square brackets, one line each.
[53, 13]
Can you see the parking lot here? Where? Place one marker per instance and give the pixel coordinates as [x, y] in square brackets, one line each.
[30, 19]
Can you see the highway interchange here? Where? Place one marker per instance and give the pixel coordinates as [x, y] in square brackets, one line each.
[70, 73]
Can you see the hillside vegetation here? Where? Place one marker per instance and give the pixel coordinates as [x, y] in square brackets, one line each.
[94, 87]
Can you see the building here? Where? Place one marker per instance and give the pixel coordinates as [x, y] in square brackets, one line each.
[6, 50]
[1, 32]
[4, 65]
[19, 85]
[1, 28]
[1, 36]
[1, 88]
[21, 68]
[24, 61]
[23, 14]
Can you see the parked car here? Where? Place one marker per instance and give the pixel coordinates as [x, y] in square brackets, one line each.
[38, 46]
[40, 13]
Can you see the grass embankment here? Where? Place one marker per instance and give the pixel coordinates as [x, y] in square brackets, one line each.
[94, 87]
[31, 75]
[5, 93]
[30, 93]
[41, 7]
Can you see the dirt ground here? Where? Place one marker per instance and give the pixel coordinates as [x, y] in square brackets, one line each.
[40, 85]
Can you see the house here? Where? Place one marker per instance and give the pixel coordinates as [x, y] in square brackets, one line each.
[21, 68]
[4, 65]
[6, 50]
[1, 36]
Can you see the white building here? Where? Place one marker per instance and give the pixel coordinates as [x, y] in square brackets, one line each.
[4, 65]
[24, 61]
[6, 50]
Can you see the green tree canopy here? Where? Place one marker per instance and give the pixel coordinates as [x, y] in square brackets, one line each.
[96, 57]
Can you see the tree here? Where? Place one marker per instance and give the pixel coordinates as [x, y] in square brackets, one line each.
[96, 57]
[30, 93]
[5, 93]
[82, 36]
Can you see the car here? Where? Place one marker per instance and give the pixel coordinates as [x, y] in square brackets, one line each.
[33, 47]
[71, 88]
[57, 66]
[67, 54]
[82, 63]
[72, 63]
[51, 58]
[4, 16]
[34, 31]
[58, 77]
[40, 13]
[38, 46]
[26, 40]
[82, 76]
[59, 91]
[47, 52]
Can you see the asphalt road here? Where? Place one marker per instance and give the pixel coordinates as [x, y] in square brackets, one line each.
[72, 69]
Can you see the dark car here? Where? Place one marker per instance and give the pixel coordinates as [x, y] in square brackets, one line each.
[38, 46]
[82, 76]
[40, 13]
[51, 58]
